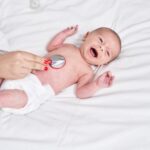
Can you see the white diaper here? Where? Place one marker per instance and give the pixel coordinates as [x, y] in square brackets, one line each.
[36, 92]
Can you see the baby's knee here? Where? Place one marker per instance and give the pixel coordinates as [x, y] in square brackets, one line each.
[20, 104]
[21, 100]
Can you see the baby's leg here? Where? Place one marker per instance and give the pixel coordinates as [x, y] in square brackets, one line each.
[13, 98]
[60, 37]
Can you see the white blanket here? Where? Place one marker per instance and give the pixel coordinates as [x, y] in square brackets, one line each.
[117, 118]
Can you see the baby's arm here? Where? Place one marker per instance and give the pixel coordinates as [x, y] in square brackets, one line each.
[12, 98]
[60, 37]
[86, 86]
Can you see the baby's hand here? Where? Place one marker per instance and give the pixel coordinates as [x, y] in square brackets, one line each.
[105, 80]
[70, 30]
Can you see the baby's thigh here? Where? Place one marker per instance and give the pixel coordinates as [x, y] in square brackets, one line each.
[13, 98]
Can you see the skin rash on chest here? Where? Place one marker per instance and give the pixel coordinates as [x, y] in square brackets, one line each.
[70, 73]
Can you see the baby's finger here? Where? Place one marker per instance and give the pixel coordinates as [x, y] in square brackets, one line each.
[107, 80]
[76, 27]
[109, 74]
[111, 80]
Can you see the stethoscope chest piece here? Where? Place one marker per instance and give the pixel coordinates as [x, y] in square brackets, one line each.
[57, 61]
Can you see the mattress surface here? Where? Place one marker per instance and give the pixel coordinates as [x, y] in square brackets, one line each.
[116, 118]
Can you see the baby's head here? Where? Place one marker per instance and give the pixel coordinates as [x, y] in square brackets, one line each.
[100, 46]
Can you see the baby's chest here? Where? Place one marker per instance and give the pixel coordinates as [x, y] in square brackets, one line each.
[73, 65]
[70, 71]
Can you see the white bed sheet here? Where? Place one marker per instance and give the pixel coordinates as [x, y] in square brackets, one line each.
[117, 118]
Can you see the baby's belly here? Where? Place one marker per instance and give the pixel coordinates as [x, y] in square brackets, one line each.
[61, 79]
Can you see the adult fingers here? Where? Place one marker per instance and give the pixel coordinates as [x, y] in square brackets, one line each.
[34, 65]
[32, 57]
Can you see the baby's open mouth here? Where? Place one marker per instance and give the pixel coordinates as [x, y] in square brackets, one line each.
[93, 52]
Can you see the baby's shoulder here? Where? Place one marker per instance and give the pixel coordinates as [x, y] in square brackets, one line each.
[86, 69]
[70, 46]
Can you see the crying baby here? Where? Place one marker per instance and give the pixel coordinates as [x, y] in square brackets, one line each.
[68, 65]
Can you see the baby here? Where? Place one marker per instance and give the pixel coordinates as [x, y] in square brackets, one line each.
[99, 47]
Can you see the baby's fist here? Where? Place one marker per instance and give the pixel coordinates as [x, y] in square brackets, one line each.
[70, 30]
[105, 80]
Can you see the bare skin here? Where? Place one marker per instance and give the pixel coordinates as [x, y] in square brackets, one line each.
[98, 48]
[18, 64]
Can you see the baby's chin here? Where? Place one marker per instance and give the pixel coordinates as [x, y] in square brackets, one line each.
[90, 62]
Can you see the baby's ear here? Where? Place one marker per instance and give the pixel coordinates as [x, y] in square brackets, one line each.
[85, 36]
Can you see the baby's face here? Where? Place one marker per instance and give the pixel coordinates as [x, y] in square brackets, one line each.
[100, 47]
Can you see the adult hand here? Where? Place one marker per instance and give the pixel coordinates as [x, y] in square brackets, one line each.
[17, 64]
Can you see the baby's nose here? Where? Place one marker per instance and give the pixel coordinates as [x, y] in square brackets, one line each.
[102, 48]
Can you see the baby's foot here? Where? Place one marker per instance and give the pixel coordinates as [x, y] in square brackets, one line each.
[70, 30]
[105, 80]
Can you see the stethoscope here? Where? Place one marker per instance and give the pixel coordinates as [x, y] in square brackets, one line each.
[57, 61]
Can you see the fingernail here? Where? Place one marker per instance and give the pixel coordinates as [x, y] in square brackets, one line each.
[45, 68]
[47, 61]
